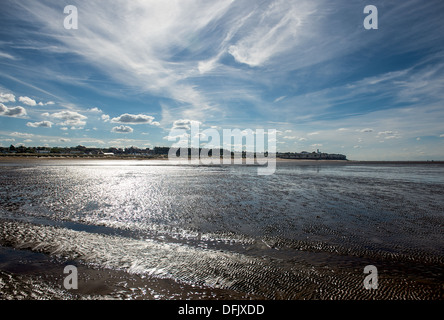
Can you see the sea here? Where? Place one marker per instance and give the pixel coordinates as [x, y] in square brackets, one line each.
[155, 230]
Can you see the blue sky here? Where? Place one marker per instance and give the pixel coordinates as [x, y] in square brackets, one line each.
[133, 70]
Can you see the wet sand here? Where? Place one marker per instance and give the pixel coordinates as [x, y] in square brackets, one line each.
[25, 275]
[33, 269]
[156, 232]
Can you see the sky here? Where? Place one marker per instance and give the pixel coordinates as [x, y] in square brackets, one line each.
[133, 71]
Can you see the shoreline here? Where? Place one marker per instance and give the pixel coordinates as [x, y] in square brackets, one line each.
[9, 158]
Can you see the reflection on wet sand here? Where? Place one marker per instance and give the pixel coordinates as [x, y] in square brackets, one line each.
[181, 232]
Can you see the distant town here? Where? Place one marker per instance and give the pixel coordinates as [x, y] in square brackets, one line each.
[156, 152]
[315, 155]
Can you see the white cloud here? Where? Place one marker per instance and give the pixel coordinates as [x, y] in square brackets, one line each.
[184, 124]
[64, 140]
[366, 130]
[133, 119]
[45, 103]
[279, 99]
[7, 97]
[105, 117]
[28, 101]
[180, 139]
[22, 134]
[273, 30]
[385, 132]
[12, 112]
[313, 133]
[208, 65]
[42, 124]
[122, 129]
[95, 110]
[69, 118]
[7, 56]
[388, 134]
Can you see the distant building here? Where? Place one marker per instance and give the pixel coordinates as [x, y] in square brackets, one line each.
[311, 156]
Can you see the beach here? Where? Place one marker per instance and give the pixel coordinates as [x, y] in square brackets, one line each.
[151, 230]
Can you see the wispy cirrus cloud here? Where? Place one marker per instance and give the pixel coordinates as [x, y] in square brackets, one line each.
[275, 31]
[163, 56]
[7, 56]
[146, 60]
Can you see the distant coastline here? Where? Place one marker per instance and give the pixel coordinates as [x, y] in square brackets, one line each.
[37, 157]
[157, 152]
[21, 153]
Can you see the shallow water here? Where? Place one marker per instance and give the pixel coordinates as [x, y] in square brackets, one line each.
[221, 232]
